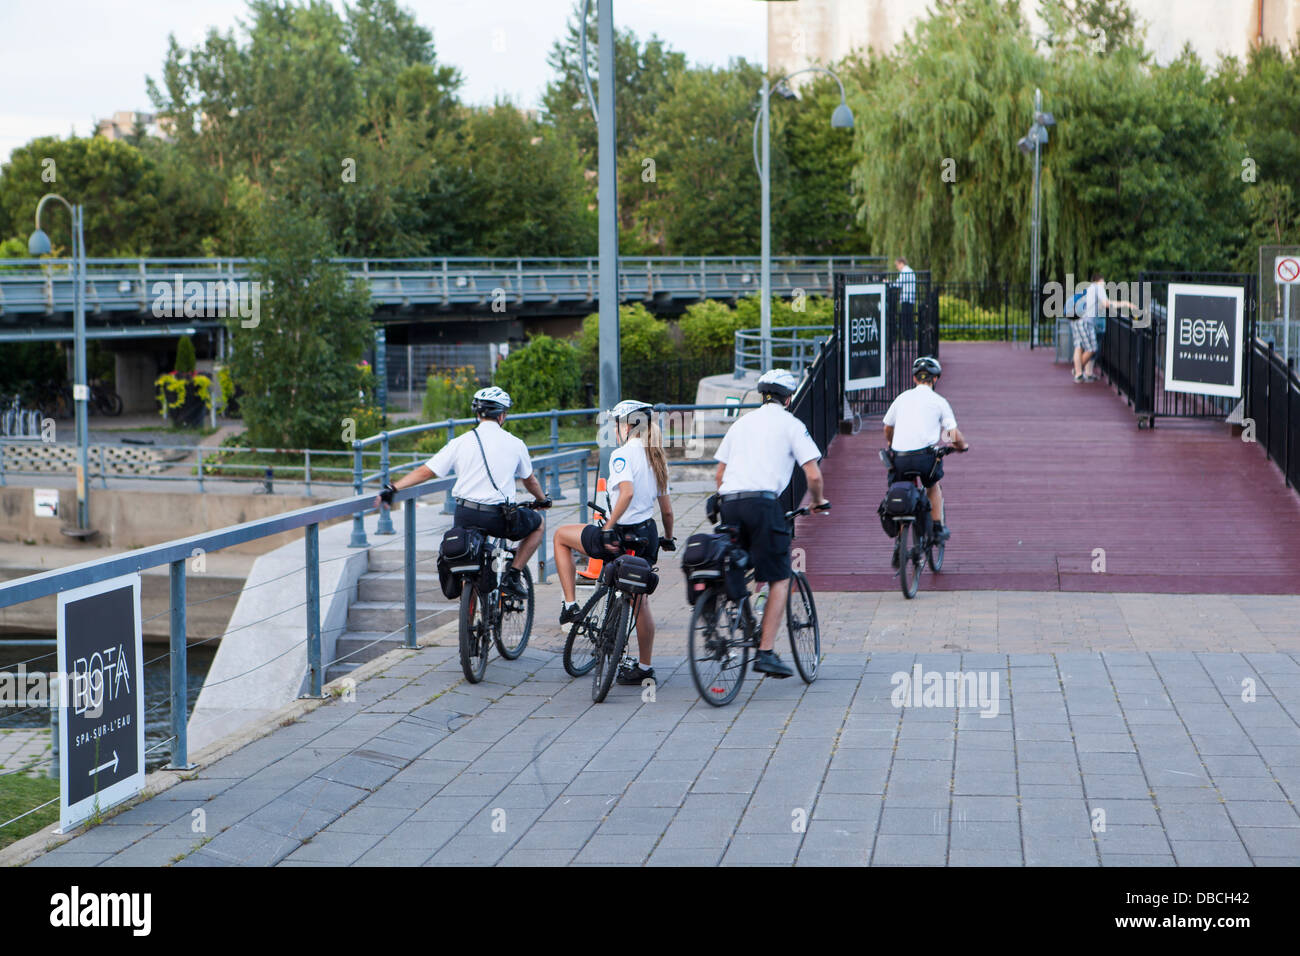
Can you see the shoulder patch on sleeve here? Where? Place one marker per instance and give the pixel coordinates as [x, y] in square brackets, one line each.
[618, 464]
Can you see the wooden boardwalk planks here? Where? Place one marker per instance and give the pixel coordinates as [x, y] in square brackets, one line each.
[1058, 471]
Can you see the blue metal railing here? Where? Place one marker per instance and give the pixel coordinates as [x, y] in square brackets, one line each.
[792, 346]
[146, 286]
[387, 467]
[175, 554]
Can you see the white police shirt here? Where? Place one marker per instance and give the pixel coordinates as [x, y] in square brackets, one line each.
[762, 449]
[506, 455]
[919, 416]
[630, 463]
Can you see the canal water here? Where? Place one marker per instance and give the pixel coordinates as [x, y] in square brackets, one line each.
[17, 649]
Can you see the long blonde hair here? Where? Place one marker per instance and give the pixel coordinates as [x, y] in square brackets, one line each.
[652, 440]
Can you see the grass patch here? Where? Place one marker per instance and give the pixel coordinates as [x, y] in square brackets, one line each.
[19, 792]
[202, 432]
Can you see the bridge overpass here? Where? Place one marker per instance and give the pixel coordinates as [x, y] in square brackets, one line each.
[140, 298]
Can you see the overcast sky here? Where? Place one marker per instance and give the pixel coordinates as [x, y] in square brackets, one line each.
[66, 63]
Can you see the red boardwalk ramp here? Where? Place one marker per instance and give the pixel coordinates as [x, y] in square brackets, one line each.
[1060, 481]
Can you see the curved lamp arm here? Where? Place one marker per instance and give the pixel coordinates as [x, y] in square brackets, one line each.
[44, 239]
[764, 105]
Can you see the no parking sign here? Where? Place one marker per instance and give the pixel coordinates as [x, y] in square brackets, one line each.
[1286, 270]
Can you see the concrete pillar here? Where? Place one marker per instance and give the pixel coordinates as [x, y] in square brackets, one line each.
[134, 376]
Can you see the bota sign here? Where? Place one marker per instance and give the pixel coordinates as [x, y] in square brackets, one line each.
[101, 704]
[1203, 339]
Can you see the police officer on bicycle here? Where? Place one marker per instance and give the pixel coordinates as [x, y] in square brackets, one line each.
[757, 458]
[486, 461]
[916, 421]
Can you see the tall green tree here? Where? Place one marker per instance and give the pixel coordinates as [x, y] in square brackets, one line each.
[299, 365]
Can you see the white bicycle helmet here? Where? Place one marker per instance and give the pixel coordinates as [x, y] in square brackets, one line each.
[779, 382]
[491, 400]
[626, 409]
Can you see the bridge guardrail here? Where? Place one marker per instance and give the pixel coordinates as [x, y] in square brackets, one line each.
[177, 553]
[789, 348]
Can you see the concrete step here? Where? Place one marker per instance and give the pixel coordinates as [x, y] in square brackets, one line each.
[335, 671]
[389, 587]
[392, 557]
[356, 647]
[382, 617]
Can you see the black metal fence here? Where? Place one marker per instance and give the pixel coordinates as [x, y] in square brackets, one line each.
[818, 404]
[672, 382]
[912, 329]
[988, 311]
[1132, 353]
[1273, 408]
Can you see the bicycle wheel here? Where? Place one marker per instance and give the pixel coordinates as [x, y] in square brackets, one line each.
[112, 403]
[613, 639]
[474, 637]
[583, 642]
[515, 622]
[805, 632]
[909, 559]
[718, 656]
[934, 553]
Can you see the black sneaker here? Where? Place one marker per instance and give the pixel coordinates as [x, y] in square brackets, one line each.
[770, 663]
[631, 672]
[512, 583]
[570, 612]
[940, 532]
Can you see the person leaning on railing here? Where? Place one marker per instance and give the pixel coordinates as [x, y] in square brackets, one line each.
[483, 460]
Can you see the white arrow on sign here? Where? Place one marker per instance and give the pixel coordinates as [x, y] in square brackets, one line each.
[1286, 270]
[104, 766]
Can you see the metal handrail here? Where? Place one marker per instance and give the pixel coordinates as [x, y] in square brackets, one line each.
[796, 351]
[387, 468]
[176, 553]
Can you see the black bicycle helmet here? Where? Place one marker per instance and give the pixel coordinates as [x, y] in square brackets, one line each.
[926, 367]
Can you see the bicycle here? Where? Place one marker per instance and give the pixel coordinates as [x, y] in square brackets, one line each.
[597, 640]
[724, 629]
[910, 546]
[489, 614]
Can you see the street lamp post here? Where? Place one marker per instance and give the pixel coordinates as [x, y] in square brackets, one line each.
[841, 118]
[39, 245]
[1033, 142]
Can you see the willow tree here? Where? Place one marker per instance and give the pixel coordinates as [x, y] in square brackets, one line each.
[938, 177]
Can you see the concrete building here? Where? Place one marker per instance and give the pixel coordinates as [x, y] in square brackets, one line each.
[123, 123]
[822, 31]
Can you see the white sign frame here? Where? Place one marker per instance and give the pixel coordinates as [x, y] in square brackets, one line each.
[45, 502]
[871, 288]
[73, 815]
[1201, 388]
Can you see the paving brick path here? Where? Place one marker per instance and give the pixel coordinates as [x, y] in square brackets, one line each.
[1110, 759]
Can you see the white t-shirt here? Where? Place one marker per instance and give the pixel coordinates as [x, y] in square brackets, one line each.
[907, 284]
[762, 449]
[507, 456]
[1090, 305]
[919, 416]
[630, 463]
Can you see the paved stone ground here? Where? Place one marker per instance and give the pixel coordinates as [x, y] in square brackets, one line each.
[22, 747]
[1092, 759]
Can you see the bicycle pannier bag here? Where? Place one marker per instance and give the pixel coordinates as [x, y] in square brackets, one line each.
[634, 575]
[902, 499]
[702, 560]
[462, 549]
[451, 584]
[887, 521]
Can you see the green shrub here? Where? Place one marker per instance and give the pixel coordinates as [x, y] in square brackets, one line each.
[643, 340]
[185, 357]
[542, 375]
[448, 393]
[709, 329]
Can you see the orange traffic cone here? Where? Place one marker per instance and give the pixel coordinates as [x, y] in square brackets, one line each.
[592, 571]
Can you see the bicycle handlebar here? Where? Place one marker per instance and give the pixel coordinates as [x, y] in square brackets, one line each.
[824, 506]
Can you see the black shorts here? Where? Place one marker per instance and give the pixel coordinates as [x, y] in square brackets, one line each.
[646, 530]
[923, 463]
[494, 522]
[763, 532]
